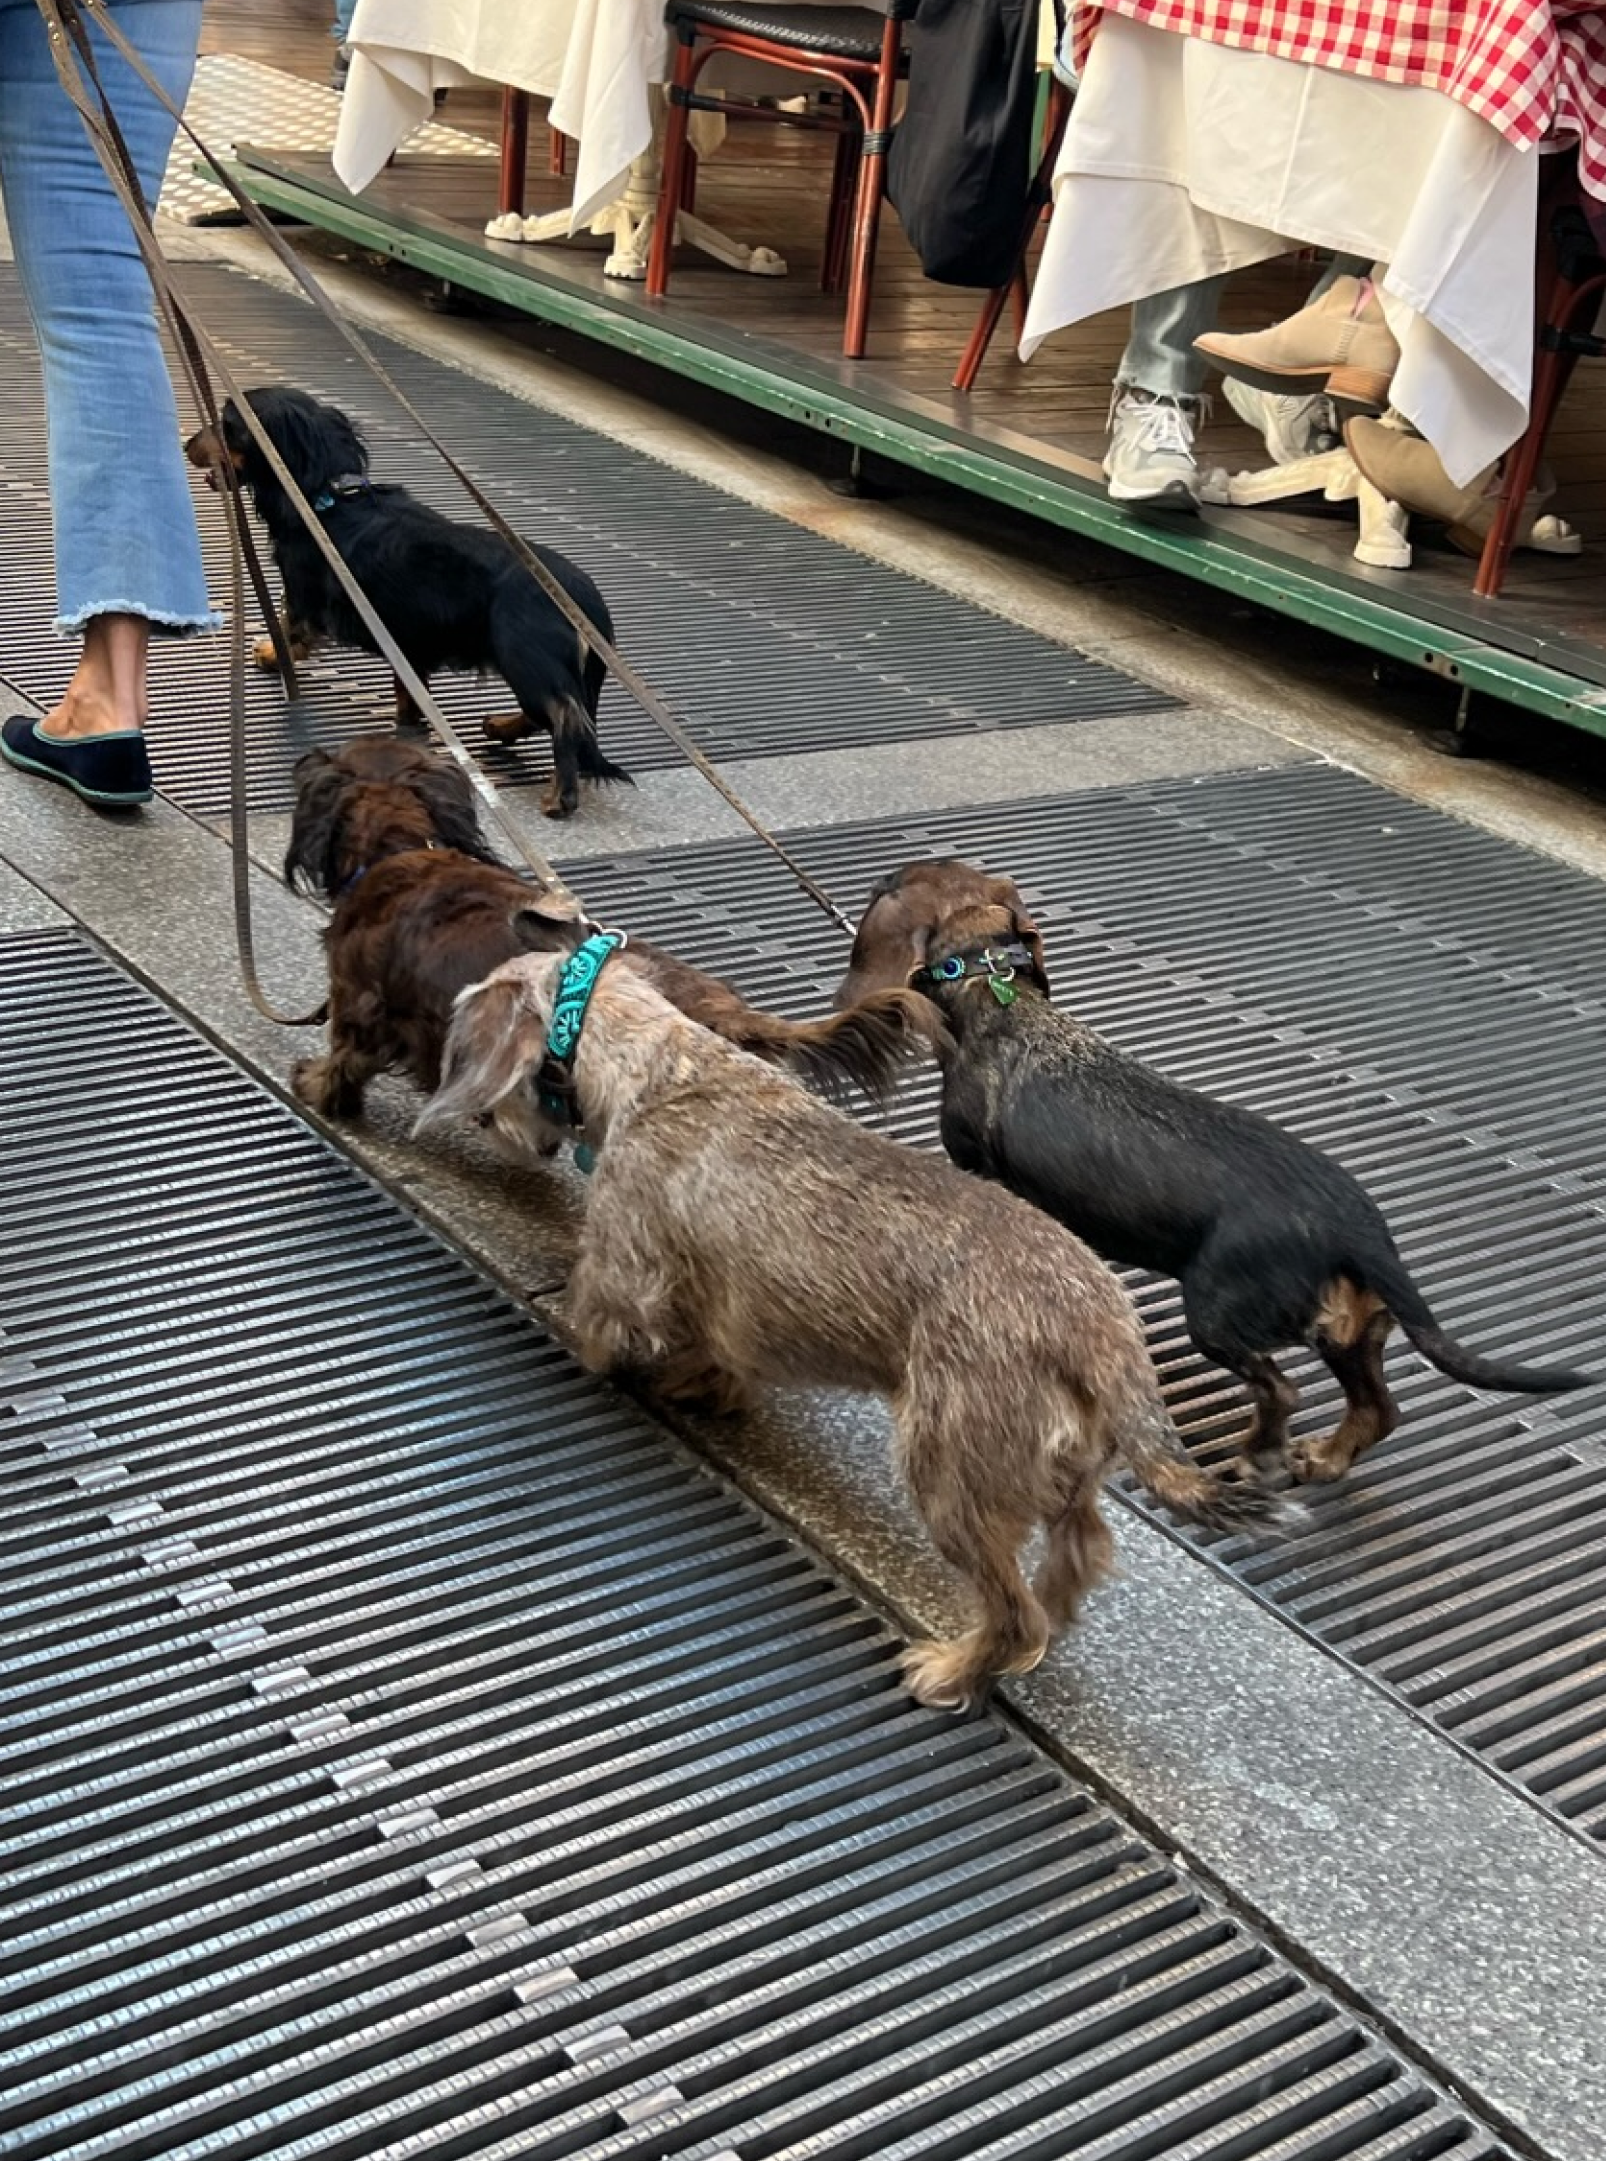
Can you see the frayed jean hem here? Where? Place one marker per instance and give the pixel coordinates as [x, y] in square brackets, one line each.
[171, 626]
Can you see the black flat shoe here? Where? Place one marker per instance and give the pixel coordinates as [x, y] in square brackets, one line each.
[106, 769]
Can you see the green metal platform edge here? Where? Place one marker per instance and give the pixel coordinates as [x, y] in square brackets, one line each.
[773, 380]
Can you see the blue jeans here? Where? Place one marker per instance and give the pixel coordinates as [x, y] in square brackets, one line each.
[1159, 354]
[121, 509]
[344, 11]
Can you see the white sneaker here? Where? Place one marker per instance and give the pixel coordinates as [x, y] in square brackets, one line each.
[1150, 458]
[1290, 428]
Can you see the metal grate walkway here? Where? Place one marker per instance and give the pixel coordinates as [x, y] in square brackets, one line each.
[1429, 1004]
[767, 639]
[410, 1751]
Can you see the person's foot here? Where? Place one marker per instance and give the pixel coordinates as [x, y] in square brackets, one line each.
[1341, 338]
[1290, 428]
[1150, 458]
[112, 768]
[341, 68]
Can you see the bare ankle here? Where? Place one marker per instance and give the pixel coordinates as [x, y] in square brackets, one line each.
[82, 713]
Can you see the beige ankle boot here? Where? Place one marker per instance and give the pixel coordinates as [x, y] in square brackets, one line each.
[1340, 339]
[1407, 470]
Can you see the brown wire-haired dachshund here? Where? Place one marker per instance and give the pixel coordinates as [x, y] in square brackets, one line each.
[1272, 1242]
[739, 1233]
[387, 832]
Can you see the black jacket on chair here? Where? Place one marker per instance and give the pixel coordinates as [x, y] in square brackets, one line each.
[961, 158]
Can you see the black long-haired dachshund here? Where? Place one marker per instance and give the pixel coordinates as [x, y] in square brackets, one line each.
[452, 596]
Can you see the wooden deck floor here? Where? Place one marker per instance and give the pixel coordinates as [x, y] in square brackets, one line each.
[768, 184]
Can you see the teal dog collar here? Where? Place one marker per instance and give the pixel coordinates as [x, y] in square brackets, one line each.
[578, 980]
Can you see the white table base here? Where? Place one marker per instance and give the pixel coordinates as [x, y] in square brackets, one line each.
[630, 218]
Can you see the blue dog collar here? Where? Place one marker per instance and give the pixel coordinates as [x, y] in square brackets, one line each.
[999, 964]
[575, 985]
[338, 490]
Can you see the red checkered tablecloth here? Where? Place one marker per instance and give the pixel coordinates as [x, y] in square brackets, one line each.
[1529, 68]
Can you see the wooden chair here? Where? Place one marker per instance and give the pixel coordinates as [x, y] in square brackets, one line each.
[515, 150]
[859, 51]
[1577, 286]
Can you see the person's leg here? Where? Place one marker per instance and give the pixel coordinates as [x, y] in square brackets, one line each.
[1159, 359]
[128, 556]
[340, 31]
[1156, 402]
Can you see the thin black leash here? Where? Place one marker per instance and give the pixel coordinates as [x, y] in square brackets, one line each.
[627, 674]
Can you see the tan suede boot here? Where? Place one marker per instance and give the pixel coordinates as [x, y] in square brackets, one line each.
[1407, 470]
[1340, 339]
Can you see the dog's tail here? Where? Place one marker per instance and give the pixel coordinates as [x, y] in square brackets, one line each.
[1385, 1274]
[1155, 1456]
[864, 1047]
[571, 722]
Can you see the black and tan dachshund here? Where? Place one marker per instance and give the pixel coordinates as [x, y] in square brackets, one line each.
[1272, 1242]
[452, 596]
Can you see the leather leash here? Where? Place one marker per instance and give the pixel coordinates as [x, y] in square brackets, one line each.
[74, 59]
[59, 14]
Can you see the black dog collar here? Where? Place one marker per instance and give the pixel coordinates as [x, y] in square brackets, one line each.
[998, 964]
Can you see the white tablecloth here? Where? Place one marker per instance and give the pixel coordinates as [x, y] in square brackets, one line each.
[597, 60]
[1184, 158]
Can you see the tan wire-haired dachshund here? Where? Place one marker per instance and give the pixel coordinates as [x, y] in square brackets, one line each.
[739, 1232]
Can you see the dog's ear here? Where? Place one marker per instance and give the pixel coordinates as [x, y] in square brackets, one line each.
[496, 1041]
[891, 942]
[318, 443]
[320, 785]
[346, 438]
[1024, 924]
[448, 795]
[547, 925]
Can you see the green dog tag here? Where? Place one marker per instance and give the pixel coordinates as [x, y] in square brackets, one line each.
[1002, 991]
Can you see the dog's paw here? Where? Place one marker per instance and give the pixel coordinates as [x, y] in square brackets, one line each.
[707, 1389]
[313, 1082]
[1318, 1463]
[941, 1675]
[263, 654]
[507, 727]
[555, 805]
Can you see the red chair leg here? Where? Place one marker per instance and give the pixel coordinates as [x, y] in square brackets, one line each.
[872, 187]
[1552, 373]
[839, 216]
[861, 269]
[557, 162]
[1522, 463]
[674, 176]
[981, 337]
[515, 150]
[1019, 296]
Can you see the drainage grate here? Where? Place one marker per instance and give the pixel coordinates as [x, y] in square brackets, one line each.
[410, 1751]
[1427, 1003]
[766, 638]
